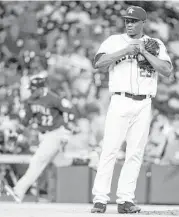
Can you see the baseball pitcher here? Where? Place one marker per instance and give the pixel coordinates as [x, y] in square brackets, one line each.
[47, 110]
[134, 61]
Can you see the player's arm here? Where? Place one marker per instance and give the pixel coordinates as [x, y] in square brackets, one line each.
[164, 67]
[104, 58]
[161, 63]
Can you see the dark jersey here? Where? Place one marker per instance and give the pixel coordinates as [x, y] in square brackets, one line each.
[47, 111]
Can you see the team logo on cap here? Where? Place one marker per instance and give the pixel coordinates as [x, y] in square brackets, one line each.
[130, 10]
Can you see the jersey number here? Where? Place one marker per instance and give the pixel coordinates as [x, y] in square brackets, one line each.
[47, 120]
[145, 73]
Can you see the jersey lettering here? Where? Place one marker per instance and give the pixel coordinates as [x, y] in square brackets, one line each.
[41, 109]
[127, 57]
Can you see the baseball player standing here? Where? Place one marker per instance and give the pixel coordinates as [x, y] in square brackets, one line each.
[47, 110]
[128, 116]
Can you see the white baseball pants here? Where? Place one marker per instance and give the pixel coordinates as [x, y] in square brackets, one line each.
[127, 120]
[48, 148]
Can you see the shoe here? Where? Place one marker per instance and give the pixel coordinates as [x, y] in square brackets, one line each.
[99, 208]
[128, 207]
[11, 192]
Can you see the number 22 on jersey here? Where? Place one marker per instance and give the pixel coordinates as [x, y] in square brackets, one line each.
[47, 120]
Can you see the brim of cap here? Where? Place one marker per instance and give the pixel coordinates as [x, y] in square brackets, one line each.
[130, 17]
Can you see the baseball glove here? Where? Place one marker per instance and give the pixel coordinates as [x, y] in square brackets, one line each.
[152, 46]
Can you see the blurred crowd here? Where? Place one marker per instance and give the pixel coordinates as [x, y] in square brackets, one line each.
[62, 37]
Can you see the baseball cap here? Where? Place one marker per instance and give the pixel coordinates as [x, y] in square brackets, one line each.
[136, 12]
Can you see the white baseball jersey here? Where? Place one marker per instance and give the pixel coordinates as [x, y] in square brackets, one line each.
[124, 74]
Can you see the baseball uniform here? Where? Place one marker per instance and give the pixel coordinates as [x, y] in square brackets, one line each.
[128, 119]
[47, 111]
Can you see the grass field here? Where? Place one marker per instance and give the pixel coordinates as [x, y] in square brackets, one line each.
[10, 209]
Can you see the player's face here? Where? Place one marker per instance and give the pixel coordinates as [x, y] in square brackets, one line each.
[134, 27]
[35, 91]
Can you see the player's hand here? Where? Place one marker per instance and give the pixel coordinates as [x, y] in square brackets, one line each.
[139, 44]
[132, 49]
[142, 47]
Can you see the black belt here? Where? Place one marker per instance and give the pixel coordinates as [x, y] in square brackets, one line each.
[133, 96]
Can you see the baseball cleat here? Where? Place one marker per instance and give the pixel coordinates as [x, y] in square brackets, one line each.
[10, 191]
[98, 208]
[128, 207]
